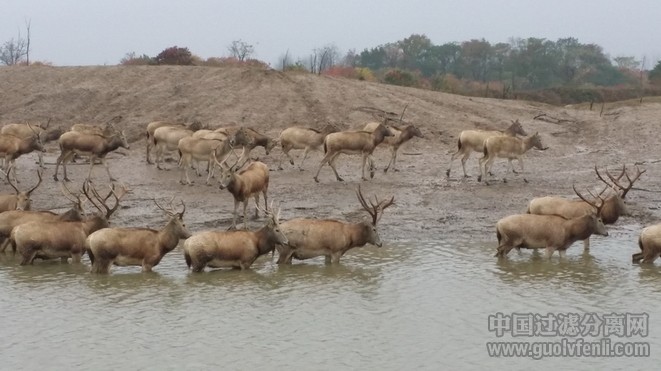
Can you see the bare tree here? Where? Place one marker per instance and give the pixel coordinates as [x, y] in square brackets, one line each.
[323, 58]
[241, 50]
[13, 51]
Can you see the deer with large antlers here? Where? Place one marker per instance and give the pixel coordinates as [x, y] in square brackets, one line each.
[613, 204]
[551, 232]
[244, 184]
[13, 218]
[309, 238]
[235, 249]
[19, 201]
[136, 246]
[64, 239]
[473, 141]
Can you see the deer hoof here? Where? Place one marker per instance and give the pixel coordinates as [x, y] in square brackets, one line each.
[479, 178]
[291, 162]
[504, 180]
[525, 180]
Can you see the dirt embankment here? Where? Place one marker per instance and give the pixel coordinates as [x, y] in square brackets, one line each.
[428, 204]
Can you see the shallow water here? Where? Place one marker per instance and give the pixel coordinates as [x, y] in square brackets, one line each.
[409, 305]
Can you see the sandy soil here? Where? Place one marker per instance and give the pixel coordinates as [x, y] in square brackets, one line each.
[428, 204]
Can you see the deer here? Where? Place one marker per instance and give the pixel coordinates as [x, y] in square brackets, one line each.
[309, 238]
[97, 129]
[206, 148]
[244, 184]
[509, 148]
[152, 126]
[92, 145]
[13, 218]
[473, 141]
[12, 147]
[401, 136]
[19, 201]
[166, 139]
[256, 139]
[612, 209]
[63, 239]
[307, 139]
[136, 246]
[26, 131]
[551, 232]
[235, 249]
[649, 242]
[352, 142]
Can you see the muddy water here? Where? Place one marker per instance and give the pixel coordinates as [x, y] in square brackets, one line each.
[409, 305]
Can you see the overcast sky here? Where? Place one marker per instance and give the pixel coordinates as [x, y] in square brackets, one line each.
[93, 32]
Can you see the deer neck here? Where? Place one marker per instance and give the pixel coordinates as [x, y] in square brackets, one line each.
[582, 227]
[167, 237]
[94, 224]
[358, 234]
[265, 240]
[526, 144]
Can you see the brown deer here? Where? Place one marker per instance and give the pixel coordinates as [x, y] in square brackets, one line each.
[236, 249]
[12, 147]
[401, 136]
[352, 142]
[136, 246]
[551, 232]
[307, 139]
[19, 201]
[612, 209]
[309, 238]
[94, 146]
[244, 184]
[63, 239]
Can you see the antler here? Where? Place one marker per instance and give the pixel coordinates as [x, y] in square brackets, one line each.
[35, 187]
[103, 200]
[9, 179]
[170, 211]
[75, 198]
[373, 209]
[626, 189]
[593, 204]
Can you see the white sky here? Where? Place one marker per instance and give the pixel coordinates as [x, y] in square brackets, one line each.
[93, 32]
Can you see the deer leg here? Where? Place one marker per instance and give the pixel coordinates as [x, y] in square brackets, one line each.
[148, 149]
[331, 163]
[256, 197]
[245, 219]
[393, 156]
[28, 256]
[211, 168]
[236, 206]
[549, 251]
[363, 170]
[511, 164]
[306, 151]
[586, 244]
[66, 159]
[321, 164]
[563, 253]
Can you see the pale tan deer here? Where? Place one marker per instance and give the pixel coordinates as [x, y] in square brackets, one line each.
[507, 147]
[473, 141]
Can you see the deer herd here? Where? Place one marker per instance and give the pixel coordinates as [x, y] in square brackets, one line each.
[551, 223]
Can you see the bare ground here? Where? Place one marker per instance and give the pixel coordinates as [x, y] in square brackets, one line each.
[428, 204]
